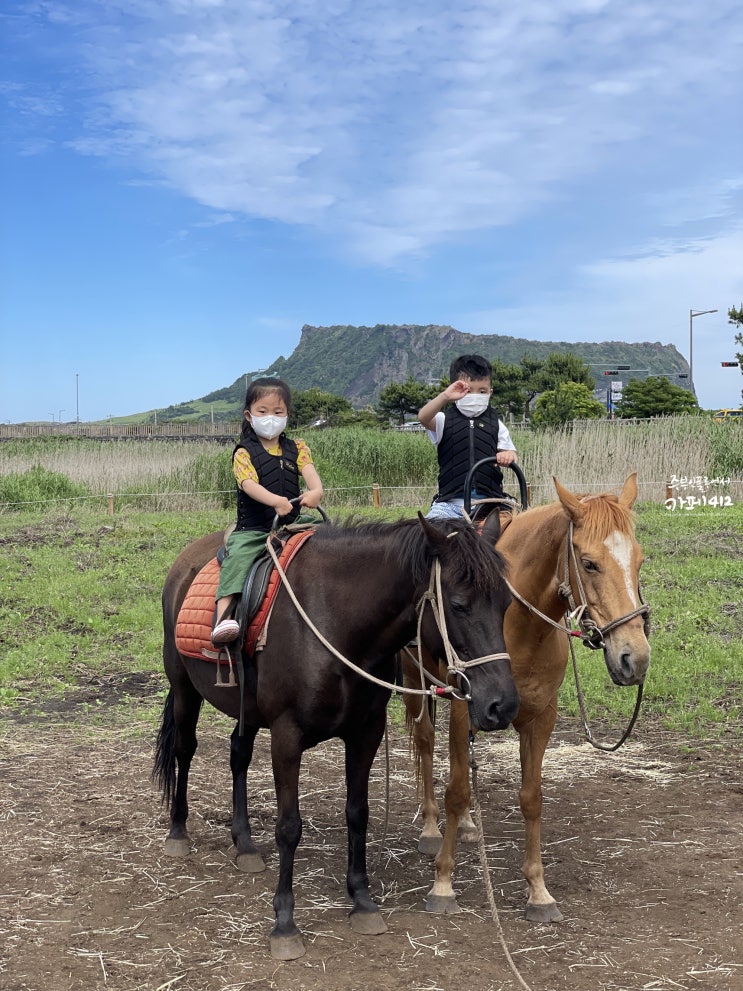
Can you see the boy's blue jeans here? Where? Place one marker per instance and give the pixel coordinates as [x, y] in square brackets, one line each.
[453, 509]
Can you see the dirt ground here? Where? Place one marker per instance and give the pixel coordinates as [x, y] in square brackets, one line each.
[643, 850]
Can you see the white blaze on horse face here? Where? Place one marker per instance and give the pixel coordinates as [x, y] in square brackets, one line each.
[619, 546]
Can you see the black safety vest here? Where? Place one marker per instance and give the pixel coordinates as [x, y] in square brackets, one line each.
[465, 441]
[276, 472]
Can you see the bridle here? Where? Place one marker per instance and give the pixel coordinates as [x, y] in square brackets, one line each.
[589, 632]
[434, 596]
[454, 664]
[578, 624]
[577, 621]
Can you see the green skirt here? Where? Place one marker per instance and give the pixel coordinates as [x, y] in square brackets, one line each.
[244, 547]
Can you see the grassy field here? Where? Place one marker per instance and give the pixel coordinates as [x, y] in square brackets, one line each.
[596, 455]
[81, 588]
[81, 603]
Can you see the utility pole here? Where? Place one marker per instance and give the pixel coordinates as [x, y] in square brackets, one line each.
[692, 314]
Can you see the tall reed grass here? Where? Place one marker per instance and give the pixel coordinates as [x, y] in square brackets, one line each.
[594, 455]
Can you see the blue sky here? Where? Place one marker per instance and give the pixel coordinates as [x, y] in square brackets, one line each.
[188, 182]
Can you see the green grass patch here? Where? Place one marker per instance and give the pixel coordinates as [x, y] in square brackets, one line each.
[82, 595]
[693, 581]
[36, 487]
[81, 607]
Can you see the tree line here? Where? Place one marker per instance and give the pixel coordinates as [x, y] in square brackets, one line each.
[546, 392]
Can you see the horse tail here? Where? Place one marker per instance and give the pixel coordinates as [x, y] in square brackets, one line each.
[163, 771]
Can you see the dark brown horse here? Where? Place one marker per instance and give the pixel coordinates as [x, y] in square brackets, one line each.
[577, 551]
[359, 585]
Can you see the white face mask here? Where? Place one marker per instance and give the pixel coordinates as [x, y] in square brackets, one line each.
[268, 427]
[473, 404]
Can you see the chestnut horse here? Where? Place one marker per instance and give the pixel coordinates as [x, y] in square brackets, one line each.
[359, 586]
[579, 551]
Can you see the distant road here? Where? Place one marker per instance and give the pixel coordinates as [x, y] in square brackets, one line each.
[226, 432]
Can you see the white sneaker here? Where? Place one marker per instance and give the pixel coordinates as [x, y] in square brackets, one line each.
[226, 631]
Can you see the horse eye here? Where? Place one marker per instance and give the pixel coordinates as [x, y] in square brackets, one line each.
[588, 565]
[460, 606]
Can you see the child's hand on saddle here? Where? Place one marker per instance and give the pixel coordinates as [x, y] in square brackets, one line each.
[311, 500]
[283, 507]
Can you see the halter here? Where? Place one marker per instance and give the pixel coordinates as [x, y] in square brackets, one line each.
[454, 663]
[589, 632]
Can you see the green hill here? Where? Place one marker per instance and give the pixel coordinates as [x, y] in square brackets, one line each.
[357, 362]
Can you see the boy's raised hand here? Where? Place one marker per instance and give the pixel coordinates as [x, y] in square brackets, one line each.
[457, 390]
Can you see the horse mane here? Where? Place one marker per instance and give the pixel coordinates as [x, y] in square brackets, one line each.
[605, 514]
[471, 559]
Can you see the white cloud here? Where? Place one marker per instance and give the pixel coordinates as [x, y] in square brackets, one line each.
[395, 130]
[646, 297]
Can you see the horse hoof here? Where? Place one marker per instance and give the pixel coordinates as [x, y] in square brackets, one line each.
[287, 947]
[429, 845]
[368, 923]
[442, 905]
[467, 833]
[250, 863]
[247, 863]
[548, 912]
[177, 848]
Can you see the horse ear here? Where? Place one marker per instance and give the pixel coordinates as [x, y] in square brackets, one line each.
[629, 492]
[573, 505]
[434, 536]
[491, 528]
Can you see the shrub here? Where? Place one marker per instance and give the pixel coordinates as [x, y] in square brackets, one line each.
[37, 487]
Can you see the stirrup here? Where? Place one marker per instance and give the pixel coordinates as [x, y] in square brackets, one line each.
[220, 682]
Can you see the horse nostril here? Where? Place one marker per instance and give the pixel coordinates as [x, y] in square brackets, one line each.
[501, 711]
[631, 671]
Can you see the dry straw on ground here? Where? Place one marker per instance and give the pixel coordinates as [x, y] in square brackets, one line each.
[642, 848]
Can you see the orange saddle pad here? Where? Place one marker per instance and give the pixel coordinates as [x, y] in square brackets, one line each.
[193, 631]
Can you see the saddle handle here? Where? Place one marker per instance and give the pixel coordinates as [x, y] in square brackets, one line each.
[276, 525]
[515, 468]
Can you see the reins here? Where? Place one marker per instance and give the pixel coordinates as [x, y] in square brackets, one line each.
[433, 596]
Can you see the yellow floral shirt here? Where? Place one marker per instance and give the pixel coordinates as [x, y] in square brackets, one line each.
[243, 466]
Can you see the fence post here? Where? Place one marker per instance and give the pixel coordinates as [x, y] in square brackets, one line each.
[669, 491]
[375, 494]
[110, 503]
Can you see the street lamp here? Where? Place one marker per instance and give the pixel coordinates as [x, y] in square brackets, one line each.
[692, 314]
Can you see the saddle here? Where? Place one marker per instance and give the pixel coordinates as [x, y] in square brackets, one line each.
[506, 513]
[193, 632]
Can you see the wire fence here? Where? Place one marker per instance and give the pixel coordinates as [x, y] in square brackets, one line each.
[674, 492]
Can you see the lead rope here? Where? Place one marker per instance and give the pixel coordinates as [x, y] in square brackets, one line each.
[486, 870]
[642, 610]
[607, 748]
